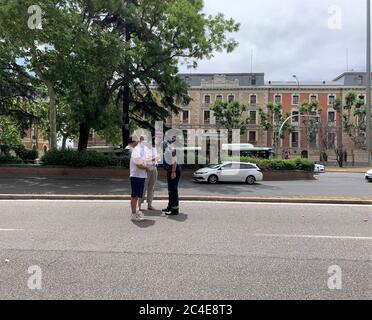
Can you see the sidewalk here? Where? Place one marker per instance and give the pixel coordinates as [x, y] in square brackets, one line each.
[348, 169]
[290, 200]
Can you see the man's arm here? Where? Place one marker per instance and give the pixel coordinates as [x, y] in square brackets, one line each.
[174, 164]
[140, 165]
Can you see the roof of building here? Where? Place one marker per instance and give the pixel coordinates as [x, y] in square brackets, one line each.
[195, 79]
[349, 73]
[303, 83]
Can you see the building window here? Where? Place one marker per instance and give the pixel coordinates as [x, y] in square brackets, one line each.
[207, 100]
[253, 100]
[278, 98]
[331, 100]
[296, 116]
[295, 99]
[207, 117]
[295, 139]
[331, 140]
[252, 136]
[313, 98]
[186, 116]
[231, 98]
[313, 140]
[253, 117]
[360, 80]
[253, 81]
[331, 117]
[219, 98]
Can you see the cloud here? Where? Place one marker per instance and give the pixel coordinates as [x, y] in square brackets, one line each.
[292, 37]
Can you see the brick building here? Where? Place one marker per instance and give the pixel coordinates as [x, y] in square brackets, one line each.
[254, 91]
[34, 137]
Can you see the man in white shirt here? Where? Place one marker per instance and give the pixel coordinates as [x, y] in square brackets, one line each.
[138, 175]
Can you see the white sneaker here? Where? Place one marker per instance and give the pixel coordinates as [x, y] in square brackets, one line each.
[137, 217]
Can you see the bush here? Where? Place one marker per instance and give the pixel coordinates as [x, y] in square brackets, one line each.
[26, 154]
[5, 149]
[82, 159]
[279, 164]
[8, 159]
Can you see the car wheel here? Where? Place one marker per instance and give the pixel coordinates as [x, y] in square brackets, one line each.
[250, 180]
[213, 179]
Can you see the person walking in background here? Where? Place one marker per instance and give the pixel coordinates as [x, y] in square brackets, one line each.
[152, 178]
[171, 165]
[138, 175]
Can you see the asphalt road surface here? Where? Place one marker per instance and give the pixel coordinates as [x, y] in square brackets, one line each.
[91, 250]
[329, 184]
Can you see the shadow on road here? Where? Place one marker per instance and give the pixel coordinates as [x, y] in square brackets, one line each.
[145, 224]
[149, 213]
[180, 218]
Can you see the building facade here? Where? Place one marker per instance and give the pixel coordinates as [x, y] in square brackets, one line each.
[255, 92]
[252, 90]
[34, 137]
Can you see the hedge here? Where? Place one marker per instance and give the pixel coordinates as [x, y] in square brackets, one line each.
[298, 164]
[8, 159]
[25, 154]
[71, 158]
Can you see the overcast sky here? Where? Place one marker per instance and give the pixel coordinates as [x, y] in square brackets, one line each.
[308, 38]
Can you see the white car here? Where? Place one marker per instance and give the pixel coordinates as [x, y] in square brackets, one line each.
[369, 176]
[249, 173]
[319, 168]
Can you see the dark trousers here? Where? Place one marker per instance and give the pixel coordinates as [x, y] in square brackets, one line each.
[174, 202]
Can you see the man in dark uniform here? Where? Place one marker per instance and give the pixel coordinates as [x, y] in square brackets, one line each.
[171, 165]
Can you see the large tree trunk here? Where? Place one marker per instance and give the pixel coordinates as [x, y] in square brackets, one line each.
[126, 96]
[126, 103]
[52, 99]
[83, 137]
[52, 116]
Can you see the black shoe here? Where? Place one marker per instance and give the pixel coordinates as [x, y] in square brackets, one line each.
[172, 213]
[167, 210]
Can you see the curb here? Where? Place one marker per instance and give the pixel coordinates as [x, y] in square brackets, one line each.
[299, 200]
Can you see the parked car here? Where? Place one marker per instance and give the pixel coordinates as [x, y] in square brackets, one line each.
[249, 173]
[319, 168]
[369, 176]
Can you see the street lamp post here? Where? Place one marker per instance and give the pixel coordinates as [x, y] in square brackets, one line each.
[368, 95]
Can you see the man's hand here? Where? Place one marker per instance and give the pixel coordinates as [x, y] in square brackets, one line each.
[173, 175]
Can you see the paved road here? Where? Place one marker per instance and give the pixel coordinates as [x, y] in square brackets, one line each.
[90, 250]
[329, 184]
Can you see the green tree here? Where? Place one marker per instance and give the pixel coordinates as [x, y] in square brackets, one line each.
[231, 115]
[37, 47]
[354, 121]
[310, 112]
[9, 133]
[272, 120]
[158, 35]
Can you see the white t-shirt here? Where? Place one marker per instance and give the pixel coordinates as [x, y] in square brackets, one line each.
[137, 157]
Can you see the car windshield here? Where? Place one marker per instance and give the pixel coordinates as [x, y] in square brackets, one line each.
[214, 166]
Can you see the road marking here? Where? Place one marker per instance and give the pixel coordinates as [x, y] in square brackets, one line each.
[312, 237]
